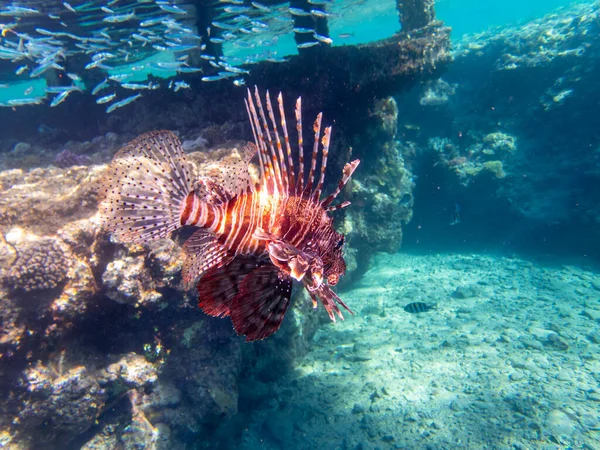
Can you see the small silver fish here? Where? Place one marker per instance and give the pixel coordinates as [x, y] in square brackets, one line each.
[26, 101]
[181, 85]
[119, 18]
[60, 89]
[302, 30]
[121, 103]
[60, 98]
[319, 13]
[324, 39]
[189, 69]
[100, 86]
[213, 78]
[236, 9]
[106, 98]
[298, 12]
[261, 7]
[171, 8]
[307, 44]
[69, 7]
[138, 86]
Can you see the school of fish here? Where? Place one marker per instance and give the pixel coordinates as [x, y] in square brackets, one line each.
[126, 38]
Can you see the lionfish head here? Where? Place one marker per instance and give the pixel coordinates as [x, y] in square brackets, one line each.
[333, 263]
[326, 264]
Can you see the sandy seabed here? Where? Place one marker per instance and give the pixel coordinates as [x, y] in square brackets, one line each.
[509, 359]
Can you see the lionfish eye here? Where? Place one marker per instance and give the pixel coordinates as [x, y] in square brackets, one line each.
[340, 243]
[332, 280]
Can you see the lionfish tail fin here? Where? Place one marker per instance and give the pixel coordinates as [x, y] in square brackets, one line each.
[258, 309]
[144, 188]
[349, 169]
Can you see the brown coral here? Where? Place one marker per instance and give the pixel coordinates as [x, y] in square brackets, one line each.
[40, 265]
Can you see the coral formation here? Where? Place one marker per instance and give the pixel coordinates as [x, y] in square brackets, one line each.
[143, 386]
[41, 264]
[381, 190]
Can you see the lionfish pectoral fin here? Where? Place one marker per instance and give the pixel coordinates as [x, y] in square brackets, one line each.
[288, 259]
[260, 305]
[202, 252]
[219, 285]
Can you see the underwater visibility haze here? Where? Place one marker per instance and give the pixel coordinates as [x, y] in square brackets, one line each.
[336, 224]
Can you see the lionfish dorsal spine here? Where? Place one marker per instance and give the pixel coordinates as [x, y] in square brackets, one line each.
[278, 182]
[266, 167]
[313, 159]
[325, 143]
[298, 114]
[261, 162]
[278, 172]
[282, 161]
[349, 169]
[287, 141]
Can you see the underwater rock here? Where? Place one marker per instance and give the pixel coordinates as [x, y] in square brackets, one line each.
[559, 424]
[195, 144]
[82, 270]
[67, 158]
[132, 371]
[41, 264]
[43, 200]
[381, 191]
[437, 93]
[68, 403]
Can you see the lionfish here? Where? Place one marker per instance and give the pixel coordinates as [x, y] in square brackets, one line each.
[252, 239]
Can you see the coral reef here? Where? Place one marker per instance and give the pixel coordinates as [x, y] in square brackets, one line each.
[381, 191]
[486, 155]
[101, 343]
[515, 143]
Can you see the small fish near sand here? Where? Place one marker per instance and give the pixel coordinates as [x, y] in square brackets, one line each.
[252, 239]
[419, 307]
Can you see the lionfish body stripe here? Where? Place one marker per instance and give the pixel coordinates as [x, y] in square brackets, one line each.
[251, 240]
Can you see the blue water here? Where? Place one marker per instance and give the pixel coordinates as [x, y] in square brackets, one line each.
[474, 16]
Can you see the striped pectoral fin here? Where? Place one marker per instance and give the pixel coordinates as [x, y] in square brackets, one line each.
[202, 252]
[261, 303]
[219, 285]
[284, 256]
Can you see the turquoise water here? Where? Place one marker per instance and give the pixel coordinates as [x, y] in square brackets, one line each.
[474, 16]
